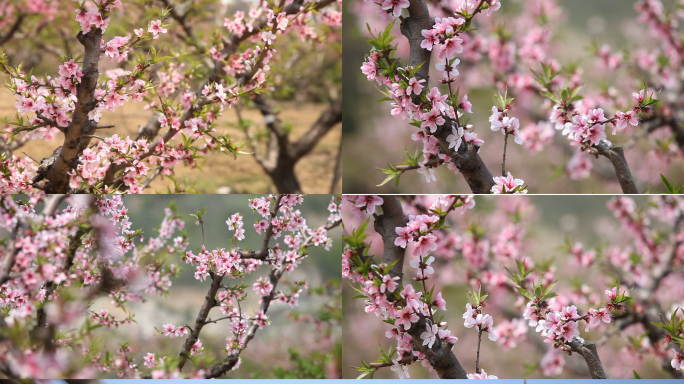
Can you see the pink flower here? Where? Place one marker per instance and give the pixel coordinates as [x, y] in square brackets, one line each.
[427, 268]
[268, 37]
[396, 6]
[431, 38]
[445, 334]
[639, 96]
[369, 201]
[138, 32]
[262, 287]
[455, 139]
[466, 105]
[613, 293]
[412, 298]
[481, 375]
[451, 47]
[552, 363]
[369, 69]
[404, 238]
[623, 118]
[449, 71]
[156, 28]
[508, 184]
[414, 86]
[596, 316]
[677, 360]
[579, 166]
[425, 244]
[400, 369]
[471, 137]
[428, 173]
[150, 360]
[432, 119]
[169, 329]
[406, 317]
[440, 302]
[389, 283]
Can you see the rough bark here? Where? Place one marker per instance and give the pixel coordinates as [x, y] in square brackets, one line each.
[590, 355]
[468, 162]
[616, 156]
[412, 27]
[385, 224]
[75, 142]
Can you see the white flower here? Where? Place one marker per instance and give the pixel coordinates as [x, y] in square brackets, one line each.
[268, 37]
[429, 336]
[401, 370]
[429, 173]
[428, 269]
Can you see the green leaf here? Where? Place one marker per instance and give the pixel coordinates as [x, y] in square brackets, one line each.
[636, 375]
[667, 183]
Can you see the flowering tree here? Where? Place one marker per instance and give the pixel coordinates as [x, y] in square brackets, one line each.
[186, 80]
[57, 262]
[518, 59]
[639, 300]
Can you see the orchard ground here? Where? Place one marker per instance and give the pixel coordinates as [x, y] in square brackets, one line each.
[218, 170]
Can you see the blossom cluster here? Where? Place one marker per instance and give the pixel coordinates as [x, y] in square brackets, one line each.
[86, 245]
[399, 304]
[429, 109]
[123, 164]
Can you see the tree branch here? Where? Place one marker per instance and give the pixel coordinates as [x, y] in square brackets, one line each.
[616, 156]
[210, 301]
[74, 142]
[325, 122]
[440, 356]
[590, 355]
[13, 29]
[200, 321]
[274, 277]
[467, 160]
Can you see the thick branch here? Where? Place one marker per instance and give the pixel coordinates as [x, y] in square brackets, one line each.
[412, 27]
[80, 126]
[468, 161]
[385, 224]
[616, 156]
[590, 355]
[13, 29]
[207, 305]
[325, 122]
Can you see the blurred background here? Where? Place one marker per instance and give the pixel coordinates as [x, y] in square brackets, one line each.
[372, 137]
[550, 223]
[302, 342]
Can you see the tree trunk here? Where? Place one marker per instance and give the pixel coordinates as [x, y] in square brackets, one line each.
[284, 177]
